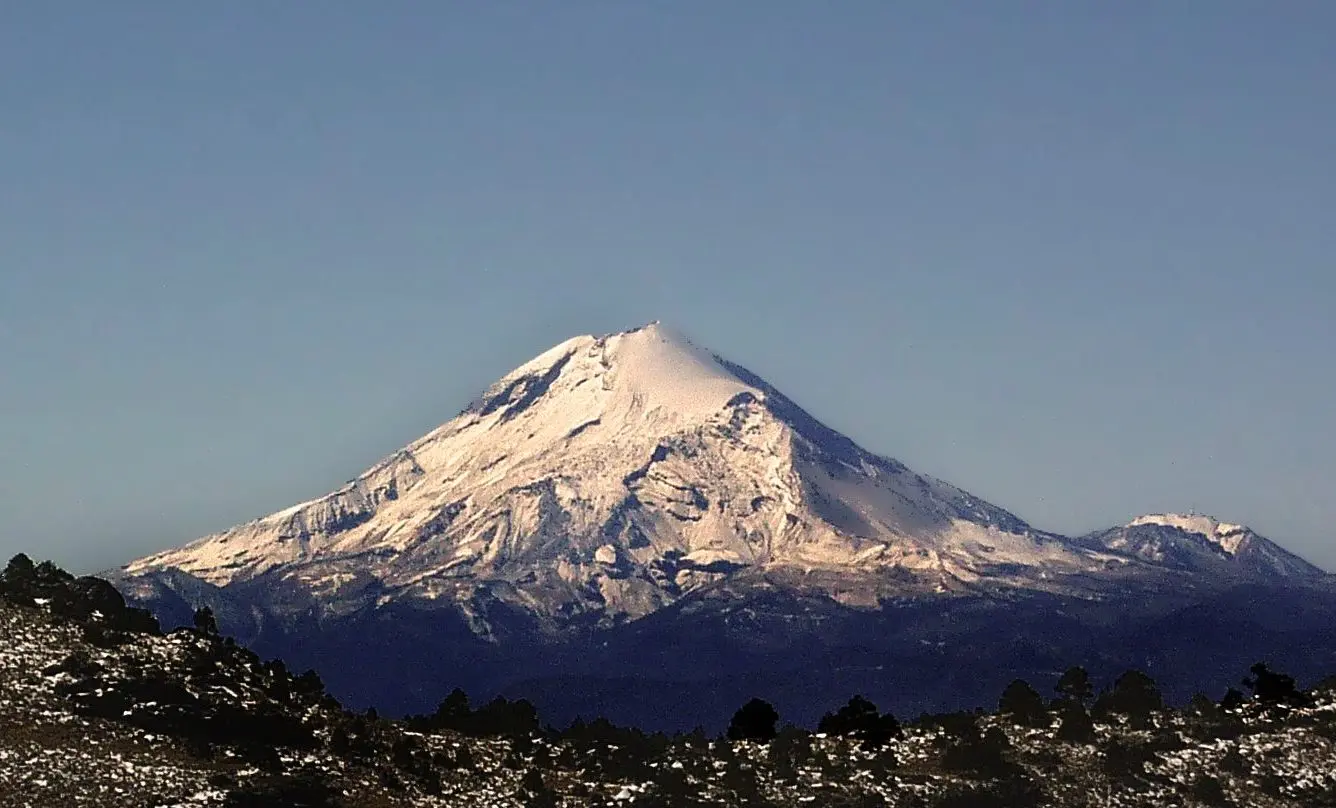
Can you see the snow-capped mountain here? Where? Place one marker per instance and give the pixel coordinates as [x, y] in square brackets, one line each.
[636, 510]
[1202, 543]
[614, 475]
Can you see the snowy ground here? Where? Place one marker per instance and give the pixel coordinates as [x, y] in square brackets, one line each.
[53, 755]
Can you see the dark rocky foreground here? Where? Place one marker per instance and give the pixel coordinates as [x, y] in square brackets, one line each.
[99, 708]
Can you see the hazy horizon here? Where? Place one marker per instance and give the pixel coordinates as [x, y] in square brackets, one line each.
[1074, 259]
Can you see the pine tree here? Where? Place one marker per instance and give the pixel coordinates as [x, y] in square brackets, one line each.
[1135, 695]
[1270, 687]
[754, 721]
[18, 582]
[453, 712]
[1023, 704]
[1074, 686]
[861, 719]
[205, 622]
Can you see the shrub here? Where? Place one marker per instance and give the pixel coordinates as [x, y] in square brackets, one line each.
[981, 754]
[1123, 760]
[1208, 790]
[1076, 726]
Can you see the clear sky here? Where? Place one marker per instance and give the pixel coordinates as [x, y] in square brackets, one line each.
[1078, 258]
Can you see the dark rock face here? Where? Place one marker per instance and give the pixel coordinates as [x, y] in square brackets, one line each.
[517, 395]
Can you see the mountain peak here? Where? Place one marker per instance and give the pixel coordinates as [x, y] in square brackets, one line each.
[1198, 541]
[652, 373]
[622, 471]
[1228, 536]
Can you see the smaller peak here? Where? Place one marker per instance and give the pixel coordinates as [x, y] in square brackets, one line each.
[1190, 522]
[1228, 536]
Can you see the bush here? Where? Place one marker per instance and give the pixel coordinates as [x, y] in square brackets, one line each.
[981, 754]
[1012, 792]
[1076, 726]
[1232, 700]
[791, 748]
[1207, 789]
[534, 792]
[1123, 761]
[283, 792]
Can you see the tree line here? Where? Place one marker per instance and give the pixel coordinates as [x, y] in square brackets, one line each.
[1132, 697]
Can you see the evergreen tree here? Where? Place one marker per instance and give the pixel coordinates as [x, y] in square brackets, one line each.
[205, 623]
[49, 575]
[309, 686]
[1074, 686]
[754, 721]
[1270, 687]
[1023, 705]
[18, 583]
[19, 569]
[501, 716]
[1134, 695]
[861, 719]
[453, 713]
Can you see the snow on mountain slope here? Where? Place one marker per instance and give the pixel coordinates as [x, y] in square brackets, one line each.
[613, 475]
[1195, 541]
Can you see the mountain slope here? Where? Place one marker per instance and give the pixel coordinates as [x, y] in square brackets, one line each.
[613, 475]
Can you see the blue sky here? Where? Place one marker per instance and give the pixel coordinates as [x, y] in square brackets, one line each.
[1075, 257]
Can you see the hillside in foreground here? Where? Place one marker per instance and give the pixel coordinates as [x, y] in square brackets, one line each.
[99, 708]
